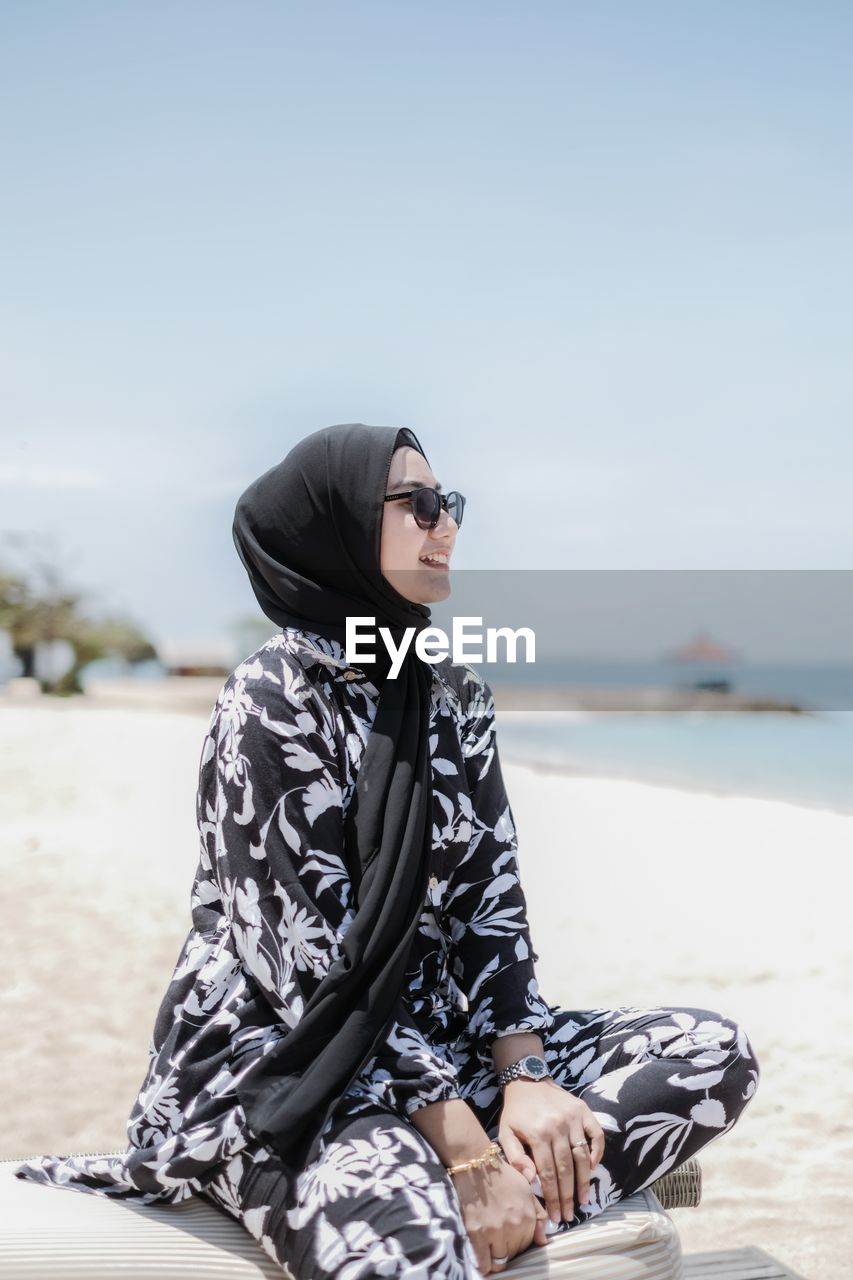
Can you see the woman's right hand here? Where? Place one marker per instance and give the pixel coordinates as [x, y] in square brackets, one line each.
[501, 1213]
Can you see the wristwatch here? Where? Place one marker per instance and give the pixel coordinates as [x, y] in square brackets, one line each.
[531, 1067]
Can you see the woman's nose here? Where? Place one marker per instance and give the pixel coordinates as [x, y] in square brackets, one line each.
[445, 518]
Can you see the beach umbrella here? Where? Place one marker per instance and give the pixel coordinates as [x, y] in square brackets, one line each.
[702, 648]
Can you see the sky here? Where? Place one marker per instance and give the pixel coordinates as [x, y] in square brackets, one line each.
[597, 255]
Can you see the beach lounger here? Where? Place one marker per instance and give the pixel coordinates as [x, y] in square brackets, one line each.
[48, 1233]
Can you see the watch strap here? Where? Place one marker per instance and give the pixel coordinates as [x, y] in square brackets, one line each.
[515, 1071]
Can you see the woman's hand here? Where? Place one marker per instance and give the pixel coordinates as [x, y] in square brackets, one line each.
[549, 1120]
[501, 1214]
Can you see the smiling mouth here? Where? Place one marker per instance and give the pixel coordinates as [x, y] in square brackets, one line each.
[436, 564]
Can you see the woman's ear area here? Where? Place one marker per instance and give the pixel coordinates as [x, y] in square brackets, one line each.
[400, 539]
[408, 464]
[389, 519]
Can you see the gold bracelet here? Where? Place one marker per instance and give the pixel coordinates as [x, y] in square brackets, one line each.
[491, 1156]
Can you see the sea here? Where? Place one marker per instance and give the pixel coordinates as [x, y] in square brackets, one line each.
[803, 759]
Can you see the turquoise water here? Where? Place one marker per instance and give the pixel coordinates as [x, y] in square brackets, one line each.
[806, 760]
[803, 759]
[815, 686]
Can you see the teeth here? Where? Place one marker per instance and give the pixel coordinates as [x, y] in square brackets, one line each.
[438, 558]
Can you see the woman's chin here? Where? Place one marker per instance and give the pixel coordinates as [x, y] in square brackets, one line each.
[438, 591]
[421, 586]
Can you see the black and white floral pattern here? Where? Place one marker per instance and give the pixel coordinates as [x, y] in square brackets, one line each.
[377, 1201]
[271, 902]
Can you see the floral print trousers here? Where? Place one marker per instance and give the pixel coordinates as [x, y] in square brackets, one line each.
[377, 1200]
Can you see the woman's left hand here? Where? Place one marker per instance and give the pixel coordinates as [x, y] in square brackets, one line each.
[549, 1120]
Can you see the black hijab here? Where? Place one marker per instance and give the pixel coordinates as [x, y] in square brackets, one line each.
[308, 532]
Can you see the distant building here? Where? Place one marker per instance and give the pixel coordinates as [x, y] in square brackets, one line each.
[703, 649]
[706, 656]
[192, 656]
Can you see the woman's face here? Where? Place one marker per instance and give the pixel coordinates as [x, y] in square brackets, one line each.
[404, 543]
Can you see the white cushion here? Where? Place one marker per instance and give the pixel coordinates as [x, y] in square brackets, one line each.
[56, 1233]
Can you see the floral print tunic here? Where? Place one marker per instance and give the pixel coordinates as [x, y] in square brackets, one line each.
[277, 771]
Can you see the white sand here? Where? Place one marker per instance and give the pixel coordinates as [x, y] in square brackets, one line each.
[636, 895]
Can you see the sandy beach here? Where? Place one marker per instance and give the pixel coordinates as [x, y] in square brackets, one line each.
[637, 895]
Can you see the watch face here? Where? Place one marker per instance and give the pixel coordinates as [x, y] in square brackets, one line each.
[534, 1066]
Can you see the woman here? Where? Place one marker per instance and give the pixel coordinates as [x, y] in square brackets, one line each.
[353, 1058]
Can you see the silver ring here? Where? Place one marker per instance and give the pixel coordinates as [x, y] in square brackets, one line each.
[585, 1145]
[501, 1261]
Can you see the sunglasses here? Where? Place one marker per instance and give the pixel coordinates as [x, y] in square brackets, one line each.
[427, 505]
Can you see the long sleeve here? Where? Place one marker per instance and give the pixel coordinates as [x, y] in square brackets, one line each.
[271, 807]
[494, 958]
[408, 1073]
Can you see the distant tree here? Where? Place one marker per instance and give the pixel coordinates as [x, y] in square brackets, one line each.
[92, 638]
[36, 607]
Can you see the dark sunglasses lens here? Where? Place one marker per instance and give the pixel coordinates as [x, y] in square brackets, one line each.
[426, 506]
[455, 506]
